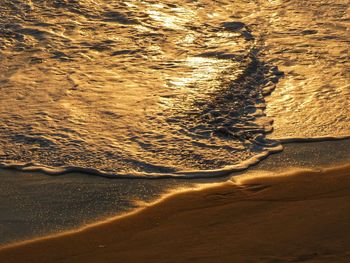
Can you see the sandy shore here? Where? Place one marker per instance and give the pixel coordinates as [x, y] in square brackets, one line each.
[299, 216]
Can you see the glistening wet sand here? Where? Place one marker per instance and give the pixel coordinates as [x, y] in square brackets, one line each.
[69, 201]
[288, 217]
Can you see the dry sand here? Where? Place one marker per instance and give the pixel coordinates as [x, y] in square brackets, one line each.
[299, 216]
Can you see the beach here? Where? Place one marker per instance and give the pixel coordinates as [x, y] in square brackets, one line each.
[296, 216]
[174, 131]
[67, 202]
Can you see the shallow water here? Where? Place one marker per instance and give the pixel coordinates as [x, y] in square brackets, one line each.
[141, 87]
[310, 42]
[137, 86]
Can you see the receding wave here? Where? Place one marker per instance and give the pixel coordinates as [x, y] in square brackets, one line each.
[186, 174]
[132, 88]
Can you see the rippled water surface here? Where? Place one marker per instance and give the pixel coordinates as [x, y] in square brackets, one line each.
[310, 42]
[128, 87]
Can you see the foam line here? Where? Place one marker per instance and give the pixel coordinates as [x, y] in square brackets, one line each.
[185, 174]
[310, 139]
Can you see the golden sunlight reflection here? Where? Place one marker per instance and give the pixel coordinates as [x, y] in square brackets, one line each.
[201, 75]
[158, 87]
[168, 97]
[176, 19]
[202, 69]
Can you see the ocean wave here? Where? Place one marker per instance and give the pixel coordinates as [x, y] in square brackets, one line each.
[132, 88]
[145, 89]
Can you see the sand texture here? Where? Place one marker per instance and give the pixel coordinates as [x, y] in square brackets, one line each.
[299, 216]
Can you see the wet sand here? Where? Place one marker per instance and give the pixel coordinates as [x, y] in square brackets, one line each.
[66, 202]
[294, 216]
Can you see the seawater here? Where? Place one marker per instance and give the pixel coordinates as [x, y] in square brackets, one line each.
[159, 89]
[130, 88]
[170, 88]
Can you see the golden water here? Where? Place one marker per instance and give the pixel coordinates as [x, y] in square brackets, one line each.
[161, 87]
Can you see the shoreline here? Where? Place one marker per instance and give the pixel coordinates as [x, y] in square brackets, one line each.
[85, 200]
[300, 214]
[104, 99]
[181, 174]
